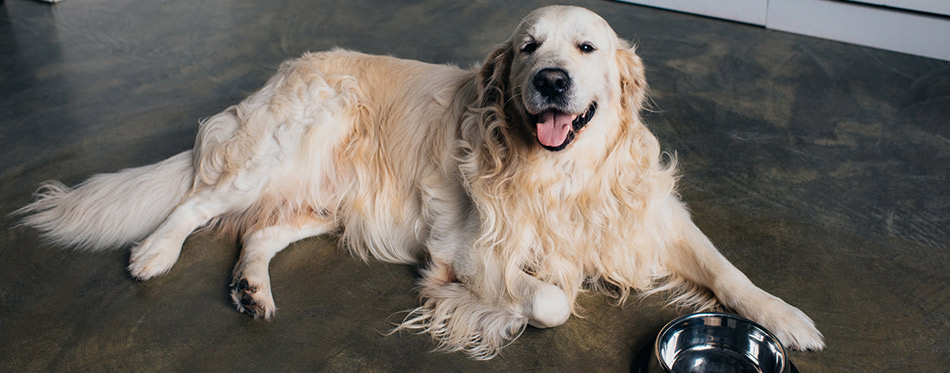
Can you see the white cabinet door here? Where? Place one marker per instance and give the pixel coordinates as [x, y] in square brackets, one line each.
[746, 11]
[901, 31]
[920, 27]
[941, 7]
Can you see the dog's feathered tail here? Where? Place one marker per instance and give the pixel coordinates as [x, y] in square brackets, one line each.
[110, 210]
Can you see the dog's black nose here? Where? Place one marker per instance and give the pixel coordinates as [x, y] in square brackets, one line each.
[552, 83]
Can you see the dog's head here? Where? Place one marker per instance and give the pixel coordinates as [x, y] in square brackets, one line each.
[563, 72]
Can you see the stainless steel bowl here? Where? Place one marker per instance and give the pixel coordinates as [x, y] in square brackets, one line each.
[717, 342]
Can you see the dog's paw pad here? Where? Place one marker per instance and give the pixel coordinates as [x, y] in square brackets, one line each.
[253, 300]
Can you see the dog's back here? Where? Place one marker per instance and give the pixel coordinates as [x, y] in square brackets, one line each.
[318, 138]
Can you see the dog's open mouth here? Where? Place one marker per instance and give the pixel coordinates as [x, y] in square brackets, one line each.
[556, 129]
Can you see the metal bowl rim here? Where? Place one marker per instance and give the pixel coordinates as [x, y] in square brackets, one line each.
[669, 325]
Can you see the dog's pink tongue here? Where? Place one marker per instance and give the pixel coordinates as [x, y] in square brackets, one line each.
[553, 128]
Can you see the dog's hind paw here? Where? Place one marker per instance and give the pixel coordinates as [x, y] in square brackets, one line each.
[152, 258]
[253, 299]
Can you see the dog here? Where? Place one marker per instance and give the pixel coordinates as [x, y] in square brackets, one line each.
[516, 185]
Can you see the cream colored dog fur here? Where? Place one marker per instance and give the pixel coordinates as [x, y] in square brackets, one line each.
[514, 184]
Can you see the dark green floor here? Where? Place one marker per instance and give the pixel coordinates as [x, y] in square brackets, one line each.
[821, 170]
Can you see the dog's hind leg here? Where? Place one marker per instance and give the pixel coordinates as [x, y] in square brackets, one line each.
[250, 284]
[692, 256]
[156, 255]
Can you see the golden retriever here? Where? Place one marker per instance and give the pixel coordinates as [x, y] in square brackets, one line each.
[515, 183]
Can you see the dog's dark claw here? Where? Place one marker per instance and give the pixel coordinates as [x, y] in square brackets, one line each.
[247, 300]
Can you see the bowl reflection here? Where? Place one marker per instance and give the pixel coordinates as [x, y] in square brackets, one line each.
[720, 343]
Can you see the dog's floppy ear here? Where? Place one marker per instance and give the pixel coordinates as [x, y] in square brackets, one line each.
[633, 82]
[492, 83]
[493, 77]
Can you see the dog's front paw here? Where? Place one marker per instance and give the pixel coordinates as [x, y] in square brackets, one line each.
[549, 308]
[792, 327]
[460, 321]
[152, 258]
[253, 298]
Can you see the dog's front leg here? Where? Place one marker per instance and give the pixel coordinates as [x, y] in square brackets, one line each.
[692, 256]
[469, 306]
[545, 305]
[470, 303]
[250, 284]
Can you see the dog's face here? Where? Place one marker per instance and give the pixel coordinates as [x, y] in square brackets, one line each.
[563, 71]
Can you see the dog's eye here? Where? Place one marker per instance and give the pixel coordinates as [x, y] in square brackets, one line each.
[530, 47]
[586, 48]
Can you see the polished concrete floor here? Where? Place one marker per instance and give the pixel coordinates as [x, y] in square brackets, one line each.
[821, 170]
